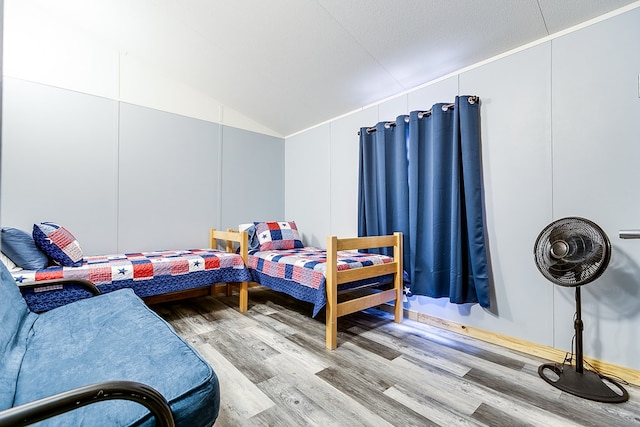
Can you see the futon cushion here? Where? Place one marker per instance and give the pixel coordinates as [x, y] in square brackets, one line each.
[58, 243]
[278, 235]
[15, 323]
[19, 246]
[110, 337]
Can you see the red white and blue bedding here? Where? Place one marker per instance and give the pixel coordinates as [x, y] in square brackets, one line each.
[301, 272]
[147, 273]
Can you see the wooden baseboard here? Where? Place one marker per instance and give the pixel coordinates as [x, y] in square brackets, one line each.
[623, 373]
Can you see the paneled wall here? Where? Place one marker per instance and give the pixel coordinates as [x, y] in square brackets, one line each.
[45, 46]
[253, 175]
[595, 128]
[126, 178]
[60, 162]
[308, 183]
[168, 181]
[559, 137]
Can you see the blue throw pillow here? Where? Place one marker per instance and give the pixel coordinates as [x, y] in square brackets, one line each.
[19, 246]
[58, 242]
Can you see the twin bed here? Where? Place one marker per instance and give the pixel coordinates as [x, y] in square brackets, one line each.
[154, 276]
[318, 276]
[309, 274]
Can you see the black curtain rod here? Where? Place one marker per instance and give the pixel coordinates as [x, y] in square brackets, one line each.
[421, 114]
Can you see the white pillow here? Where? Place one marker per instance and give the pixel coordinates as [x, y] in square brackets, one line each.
[11, 266]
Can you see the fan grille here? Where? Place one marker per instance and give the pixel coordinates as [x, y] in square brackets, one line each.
[572, 251]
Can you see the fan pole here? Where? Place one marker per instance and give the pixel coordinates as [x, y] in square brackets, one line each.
[579, 327]
[578, 381]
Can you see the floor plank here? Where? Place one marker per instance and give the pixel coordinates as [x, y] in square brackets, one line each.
[275, 371]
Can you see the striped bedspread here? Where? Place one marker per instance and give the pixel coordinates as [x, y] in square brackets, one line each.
[147, 273]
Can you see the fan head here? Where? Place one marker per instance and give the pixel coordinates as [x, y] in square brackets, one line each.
[572, 251]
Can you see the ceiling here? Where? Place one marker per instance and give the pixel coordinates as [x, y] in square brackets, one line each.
[291, 64]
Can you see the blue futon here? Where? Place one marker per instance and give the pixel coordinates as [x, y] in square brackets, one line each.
[113, 338]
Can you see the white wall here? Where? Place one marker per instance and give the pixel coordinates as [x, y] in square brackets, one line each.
[516, 152]
[596, 107]
[307, 184]
[59, 161]
[168, 180]
[125, 178]
[559, 137]
[110, 146]
[253, 172]
[343, 175]
[43, 46]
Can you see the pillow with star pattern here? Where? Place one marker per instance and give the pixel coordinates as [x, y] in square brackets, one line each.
[278, 235]
[58, 243]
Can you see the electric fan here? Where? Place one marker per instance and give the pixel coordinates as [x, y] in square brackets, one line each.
[572, 252]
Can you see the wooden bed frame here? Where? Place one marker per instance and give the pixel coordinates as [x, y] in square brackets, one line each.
[335, 309]
[212, 289]
[242, 239]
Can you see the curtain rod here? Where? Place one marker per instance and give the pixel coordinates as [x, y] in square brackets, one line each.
[421, 114]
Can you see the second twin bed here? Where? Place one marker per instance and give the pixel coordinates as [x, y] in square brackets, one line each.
[276, 258]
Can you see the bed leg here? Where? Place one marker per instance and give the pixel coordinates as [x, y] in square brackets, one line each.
[331, 328]
[398, 311]
[398, 280]
[331, 332]
[228, 290]
[244, 297]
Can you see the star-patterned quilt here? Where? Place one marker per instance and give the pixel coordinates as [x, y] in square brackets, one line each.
[301, 272]
[147, 273]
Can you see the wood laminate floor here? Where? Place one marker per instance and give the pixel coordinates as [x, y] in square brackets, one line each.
[275, 371]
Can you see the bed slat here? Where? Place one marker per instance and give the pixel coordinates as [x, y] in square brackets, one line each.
[351, 243]
[368, 301]
[346, 276]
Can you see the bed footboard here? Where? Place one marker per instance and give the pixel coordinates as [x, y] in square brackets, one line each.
[230, 237]
[335, 278]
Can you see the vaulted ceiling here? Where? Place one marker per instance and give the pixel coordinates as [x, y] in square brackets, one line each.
[291, 64]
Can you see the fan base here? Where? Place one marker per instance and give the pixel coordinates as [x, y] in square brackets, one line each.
[587, 384]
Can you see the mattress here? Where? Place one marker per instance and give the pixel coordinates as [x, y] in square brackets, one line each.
[147, 273]
[301, 273]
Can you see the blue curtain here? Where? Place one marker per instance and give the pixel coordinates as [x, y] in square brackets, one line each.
[383, 194]
[422, 176]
